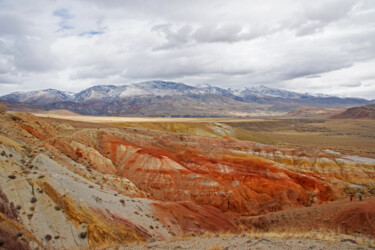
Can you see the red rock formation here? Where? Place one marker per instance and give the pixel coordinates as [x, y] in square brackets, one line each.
[192, 168]
[232, 184]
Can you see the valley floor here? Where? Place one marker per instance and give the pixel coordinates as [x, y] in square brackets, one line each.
[246, 242]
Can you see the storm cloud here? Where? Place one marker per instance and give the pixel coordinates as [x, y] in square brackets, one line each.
[306, 46]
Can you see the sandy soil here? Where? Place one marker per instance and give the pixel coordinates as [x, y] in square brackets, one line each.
[244, 242]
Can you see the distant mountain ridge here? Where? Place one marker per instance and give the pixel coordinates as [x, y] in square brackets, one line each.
[165, 98]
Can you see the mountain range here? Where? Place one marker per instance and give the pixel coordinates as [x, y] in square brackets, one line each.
[164, 98]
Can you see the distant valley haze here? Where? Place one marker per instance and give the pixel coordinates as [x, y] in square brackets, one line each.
[311, 47]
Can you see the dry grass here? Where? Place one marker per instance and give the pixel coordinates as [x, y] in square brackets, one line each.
[9, 142]
[218, 247]
[3, 108]
[349, 136]
[318, 235]
[288, 233]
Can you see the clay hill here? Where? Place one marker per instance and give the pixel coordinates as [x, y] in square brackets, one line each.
[171, 99]
[362, 112]
[314, 112]
[71, 185]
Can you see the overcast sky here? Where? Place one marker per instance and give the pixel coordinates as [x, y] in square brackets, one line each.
[304, 46]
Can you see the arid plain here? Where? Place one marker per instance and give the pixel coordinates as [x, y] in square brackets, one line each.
[351, 136]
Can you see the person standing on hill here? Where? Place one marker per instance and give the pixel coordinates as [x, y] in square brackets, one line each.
[351, 197]
[360, 197]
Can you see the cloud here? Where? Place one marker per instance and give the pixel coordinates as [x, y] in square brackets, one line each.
[63, 13]
[188, 36]
[6, 80]
[174, 38]
[324, 46]
[351, 84]
[227, 33]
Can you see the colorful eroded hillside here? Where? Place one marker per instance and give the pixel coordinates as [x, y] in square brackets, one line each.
[77, 184]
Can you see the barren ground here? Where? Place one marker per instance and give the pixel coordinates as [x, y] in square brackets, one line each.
[248, 242]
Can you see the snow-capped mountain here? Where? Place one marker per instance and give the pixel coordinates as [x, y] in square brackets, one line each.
[277, 92]
[170, 98]
[40, 96]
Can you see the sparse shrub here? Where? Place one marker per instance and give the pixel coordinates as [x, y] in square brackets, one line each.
[40, 191]
[56, 237]
[3, 108]
[41, 176]
[48, 237]
[83, 235]
[349, 240]
[151, 227]
[122, 202]
[91, 186]
[18, 207]
[57, 208]
[32, 208]
[16, 119]
[33, 200]
[12, 177]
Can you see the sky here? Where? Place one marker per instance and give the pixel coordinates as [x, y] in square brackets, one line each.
[321, 46]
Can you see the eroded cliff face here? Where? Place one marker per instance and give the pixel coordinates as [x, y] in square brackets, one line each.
[85, 185]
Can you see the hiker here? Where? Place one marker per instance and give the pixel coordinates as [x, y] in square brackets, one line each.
[351, 197]
[360, 197]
